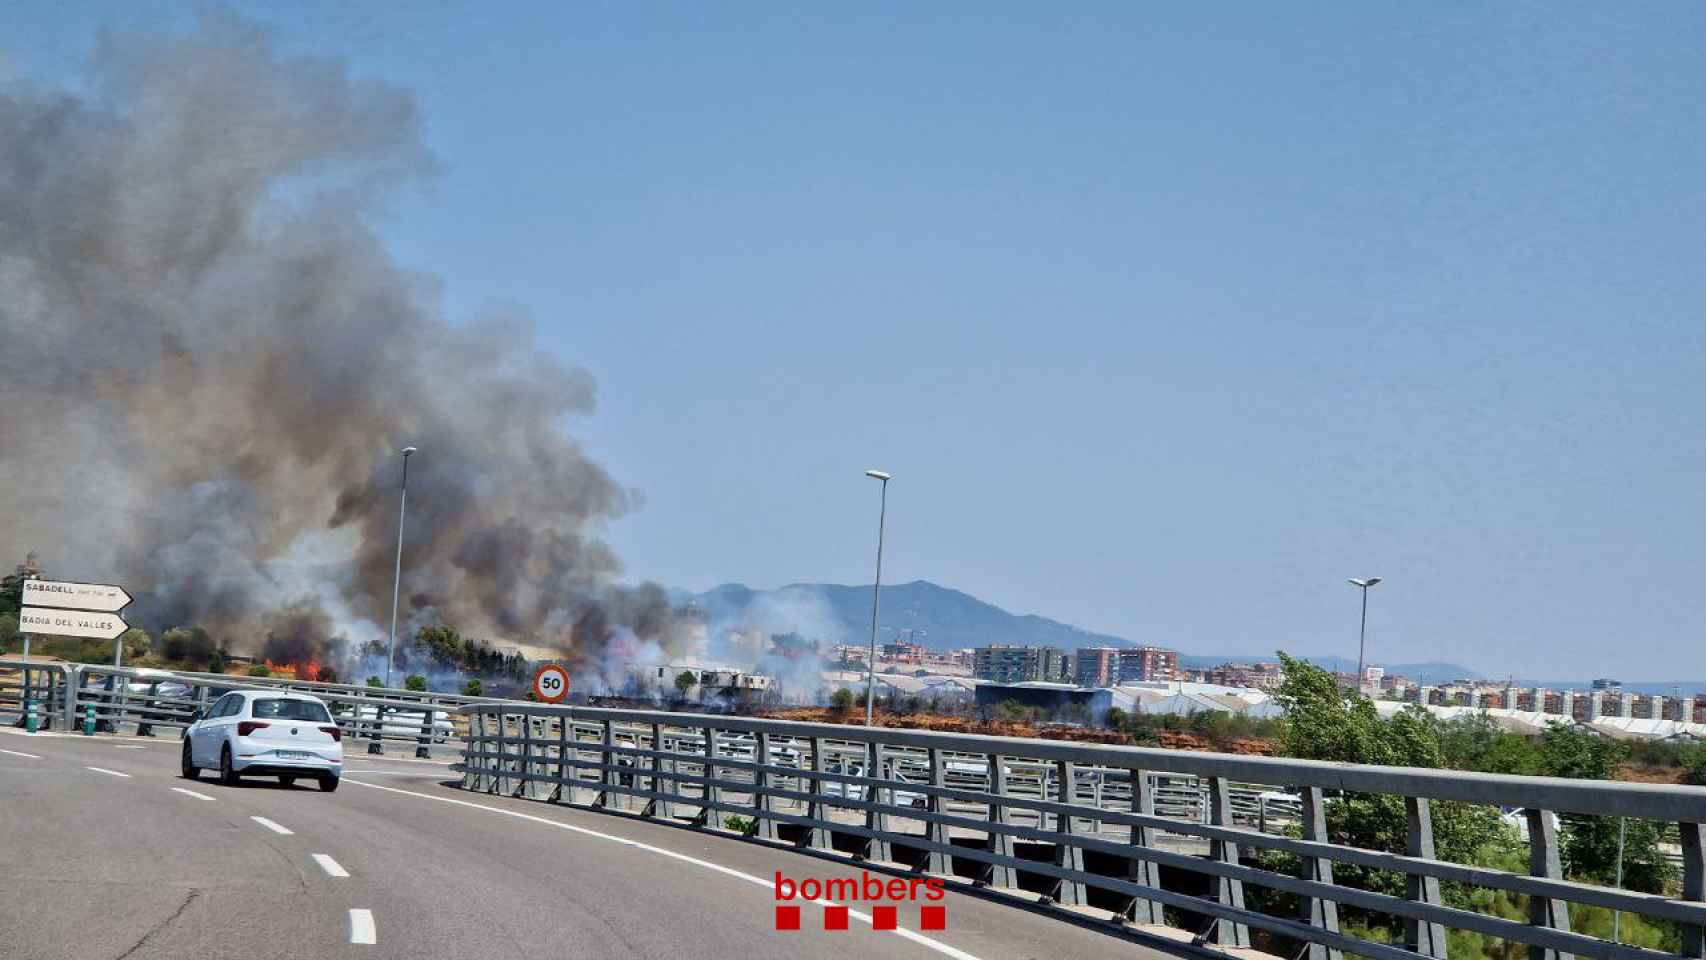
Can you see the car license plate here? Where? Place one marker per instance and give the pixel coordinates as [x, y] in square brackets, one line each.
[294, 755]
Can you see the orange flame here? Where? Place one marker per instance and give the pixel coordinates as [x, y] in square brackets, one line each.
[303, 671]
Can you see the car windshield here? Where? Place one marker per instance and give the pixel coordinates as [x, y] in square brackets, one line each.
[306, 710]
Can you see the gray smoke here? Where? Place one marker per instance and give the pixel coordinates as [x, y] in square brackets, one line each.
[209, 363]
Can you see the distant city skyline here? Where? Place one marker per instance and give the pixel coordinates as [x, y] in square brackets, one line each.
[822, 625]
[1165, 320]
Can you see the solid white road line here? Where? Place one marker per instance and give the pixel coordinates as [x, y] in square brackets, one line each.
[110, 773]
[275, 828]
[912, 935]
[191, 793]
[361, 927]
[330, 866]
[20, 753]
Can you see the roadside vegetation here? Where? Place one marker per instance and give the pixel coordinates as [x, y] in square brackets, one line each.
[1327, 722]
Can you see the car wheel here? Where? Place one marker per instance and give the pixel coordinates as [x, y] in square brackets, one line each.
[191, 772]
[328, 783]
[227, 775]
[287, 780]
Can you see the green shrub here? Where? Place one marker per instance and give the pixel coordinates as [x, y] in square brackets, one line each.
[259, 670]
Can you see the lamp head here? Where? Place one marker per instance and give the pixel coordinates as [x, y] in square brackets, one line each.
[408, 450]
[877, 475]
[1364, 583]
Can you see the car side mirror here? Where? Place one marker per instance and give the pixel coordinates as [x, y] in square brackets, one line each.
[195, 716]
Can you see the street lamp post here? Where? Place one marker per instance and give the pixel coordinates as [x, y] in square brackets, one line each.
[876, 589]
[397, 582]
[1362, 636]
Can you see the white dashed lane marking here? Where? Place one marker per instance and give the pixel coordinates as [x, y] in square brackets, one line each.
[20, 753]
[110, 773]
[191, 793]
[275, 828]
[361, 927]
[332, 868]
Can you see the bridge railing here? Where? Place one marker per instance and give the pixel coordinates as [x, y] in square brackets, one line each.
[45, 684]
[1090, 827]
[146, 701]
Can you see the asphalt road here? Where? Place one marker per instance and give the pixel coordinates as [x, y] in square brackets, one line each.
[108, 853]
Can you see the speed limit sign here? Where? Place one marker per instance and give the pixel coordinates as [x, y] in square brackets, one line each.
[551, 683]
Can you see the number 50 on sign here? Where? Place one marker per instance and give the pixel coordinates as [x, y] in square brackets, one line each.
[551, 683]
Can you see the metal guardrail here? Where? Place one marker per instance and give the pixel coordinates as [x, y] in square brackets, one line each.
[67, 694]
[935, 802]
[43, 684]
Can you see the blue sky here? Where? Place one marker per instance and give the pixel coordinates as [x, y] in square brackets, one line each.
[1166, 319]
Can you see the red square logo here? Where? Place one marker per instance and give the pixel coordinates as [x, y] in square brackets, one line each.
[882, 918]
[933, 918]
[835, 918]
[787, 918]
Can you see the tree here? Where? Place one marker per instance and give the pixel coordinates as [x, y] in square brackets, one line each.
[375, 682]
[841, 701]
[684, 681]
[472, 688]
[442, 643]
[136, 644]
[415, 682]
[1115, 718]
[259, 670]
[1326, 722]
[216, 662]
[186, 644]
[1694, 766]
[12, 585]
[1588, 845]
[1475, 742]
[327, 675]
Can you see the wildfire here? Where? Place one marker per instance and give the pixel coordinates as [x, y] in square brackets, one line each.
[302, 671]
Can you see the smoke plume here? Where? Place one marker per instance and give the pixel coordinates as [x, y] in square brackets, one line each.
[210, 363]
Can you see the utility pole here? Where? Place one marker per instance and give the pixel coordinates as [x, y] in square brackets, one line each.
[876, 595]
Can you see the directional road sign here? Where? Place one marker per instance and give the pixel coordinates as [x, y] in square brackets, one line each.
[100, 597]
[70, 623]
[551, 683]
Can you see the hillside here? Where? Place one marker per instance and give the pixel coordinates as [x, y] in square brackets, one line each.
[943, 618]
[948, 619]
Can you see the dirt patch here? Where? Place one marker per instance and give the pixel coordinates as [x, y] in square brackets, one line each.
[1647, 773]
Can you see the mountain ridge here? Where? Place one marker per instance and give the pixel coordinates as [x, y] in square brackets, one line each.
[945, 618]
[940, 618]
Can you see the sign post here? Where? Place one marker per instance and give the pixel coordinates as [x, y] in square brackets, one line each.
[72, 623]
[551, 683]
[98, 597]
[67, 609]
[28, 693]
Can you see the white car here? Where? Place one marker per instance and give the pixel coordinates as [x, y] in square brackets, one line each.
[269, 733]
